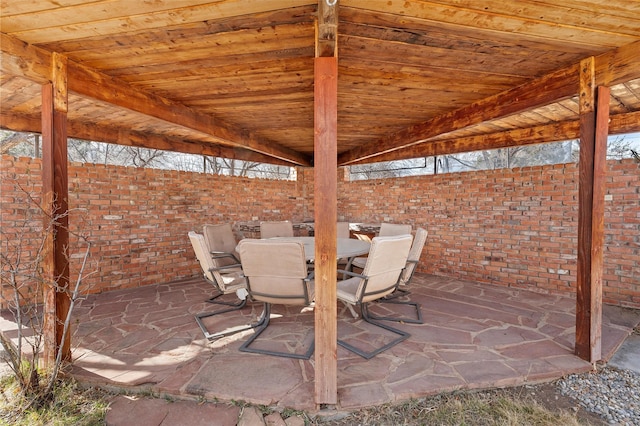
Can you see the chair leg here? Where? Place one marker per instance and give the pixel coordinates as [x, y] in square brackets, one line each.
[403, 335]
[213, 299]
[391, 300]
[212, 336]
[262, 324]
[399, 292]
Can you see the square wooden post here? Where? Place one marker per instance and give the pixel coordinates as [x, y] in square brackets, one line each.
[55, 200]
[326, 215]
[594, 118]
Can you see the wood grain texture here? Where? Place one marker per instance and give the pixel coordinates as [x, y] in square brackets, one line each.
[55, 196]
[594, 118]
[325, 217]
[238, 75]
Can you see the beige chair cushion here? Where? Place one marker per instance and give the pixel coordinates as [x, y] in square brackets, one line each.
[388, 229]
[276, 229]
[343, 230]
[387, 258]
[276, 271]
[414, 255]
[220, 238]
[227, 280]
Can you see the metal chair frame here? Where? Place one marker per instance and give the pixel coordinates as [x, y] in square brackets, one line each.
[364, 312]
[303, 297]
[263, 323]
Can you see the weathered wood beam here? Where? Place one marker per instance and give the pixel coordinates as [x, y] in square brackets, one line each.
[23, 59]
[542, 91]
[325, 218]
[594, 117]
[20, 58]
[55, 201]
[327, 28]
[562, 131]
[619, 65]
[125, 136]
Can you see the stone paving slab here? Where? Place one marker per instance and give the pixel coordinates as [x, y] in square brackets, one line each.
[128, 410]
[628, 356]
[473, 336]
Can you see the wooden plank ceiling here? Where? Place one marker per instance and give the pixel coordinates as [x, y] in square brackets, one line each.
[235, 78]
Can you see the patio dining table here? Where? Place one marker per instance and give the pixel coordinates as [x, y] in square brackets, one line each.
[346, 247]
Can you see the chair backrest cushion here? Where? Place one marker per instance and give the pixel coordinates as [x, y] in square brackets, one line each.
[220, 237]
[389, 229]
[343, 230]
[276, 271]
[414, 255]
[387, 257]
[276, 229]
[202, 254]
[230, 280]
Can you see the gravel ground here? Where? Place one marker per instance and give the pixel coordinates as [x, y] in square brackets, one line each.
[612, 393]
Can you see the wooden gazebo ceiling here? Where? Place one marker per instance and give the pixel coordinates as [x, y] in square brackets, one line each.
[235, 78]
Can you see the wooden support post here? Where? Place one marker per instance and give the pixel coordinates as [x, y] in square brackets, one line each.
[55, 200]
[594, 118]
[325, 208]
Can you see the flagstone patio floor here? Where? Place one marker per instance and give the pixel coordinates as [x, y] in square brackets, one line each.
[473, 336]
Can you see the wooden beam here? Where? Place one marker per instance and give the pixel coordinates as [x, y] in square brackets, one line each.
[542, 91]
[55, 200]
[127, 137]
[327, 28]
[32, 62]
[619, 65]
[594, 117]
[616, 66]
[325, 217]
[566, 130]
[25, 60]
[555, 132]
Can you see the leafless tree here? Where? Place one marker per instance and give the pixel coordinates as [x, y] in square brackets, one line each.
[23, 284]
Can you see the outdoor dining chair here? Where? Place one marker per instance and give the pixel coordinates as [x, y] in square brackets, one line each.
[271, 229]
[276, 273]
[419, 241]
[221, 243]
[386, 230]
[342, 230]
[226, 279]
[387, 258]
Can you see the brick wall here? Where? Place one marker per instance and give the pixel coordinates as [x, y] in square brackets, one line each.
[509, 227]
[137, 220]
[515, 227]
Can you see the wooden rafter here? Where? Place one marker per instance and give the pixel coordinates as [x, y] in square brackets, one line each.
[565, 130]
[126, 136]
[611, 68]
[32, 62]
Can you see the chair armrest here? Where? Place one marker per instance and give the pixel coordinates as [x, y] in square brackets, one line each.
[223, 254]
[235, 265]
[351, 273]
